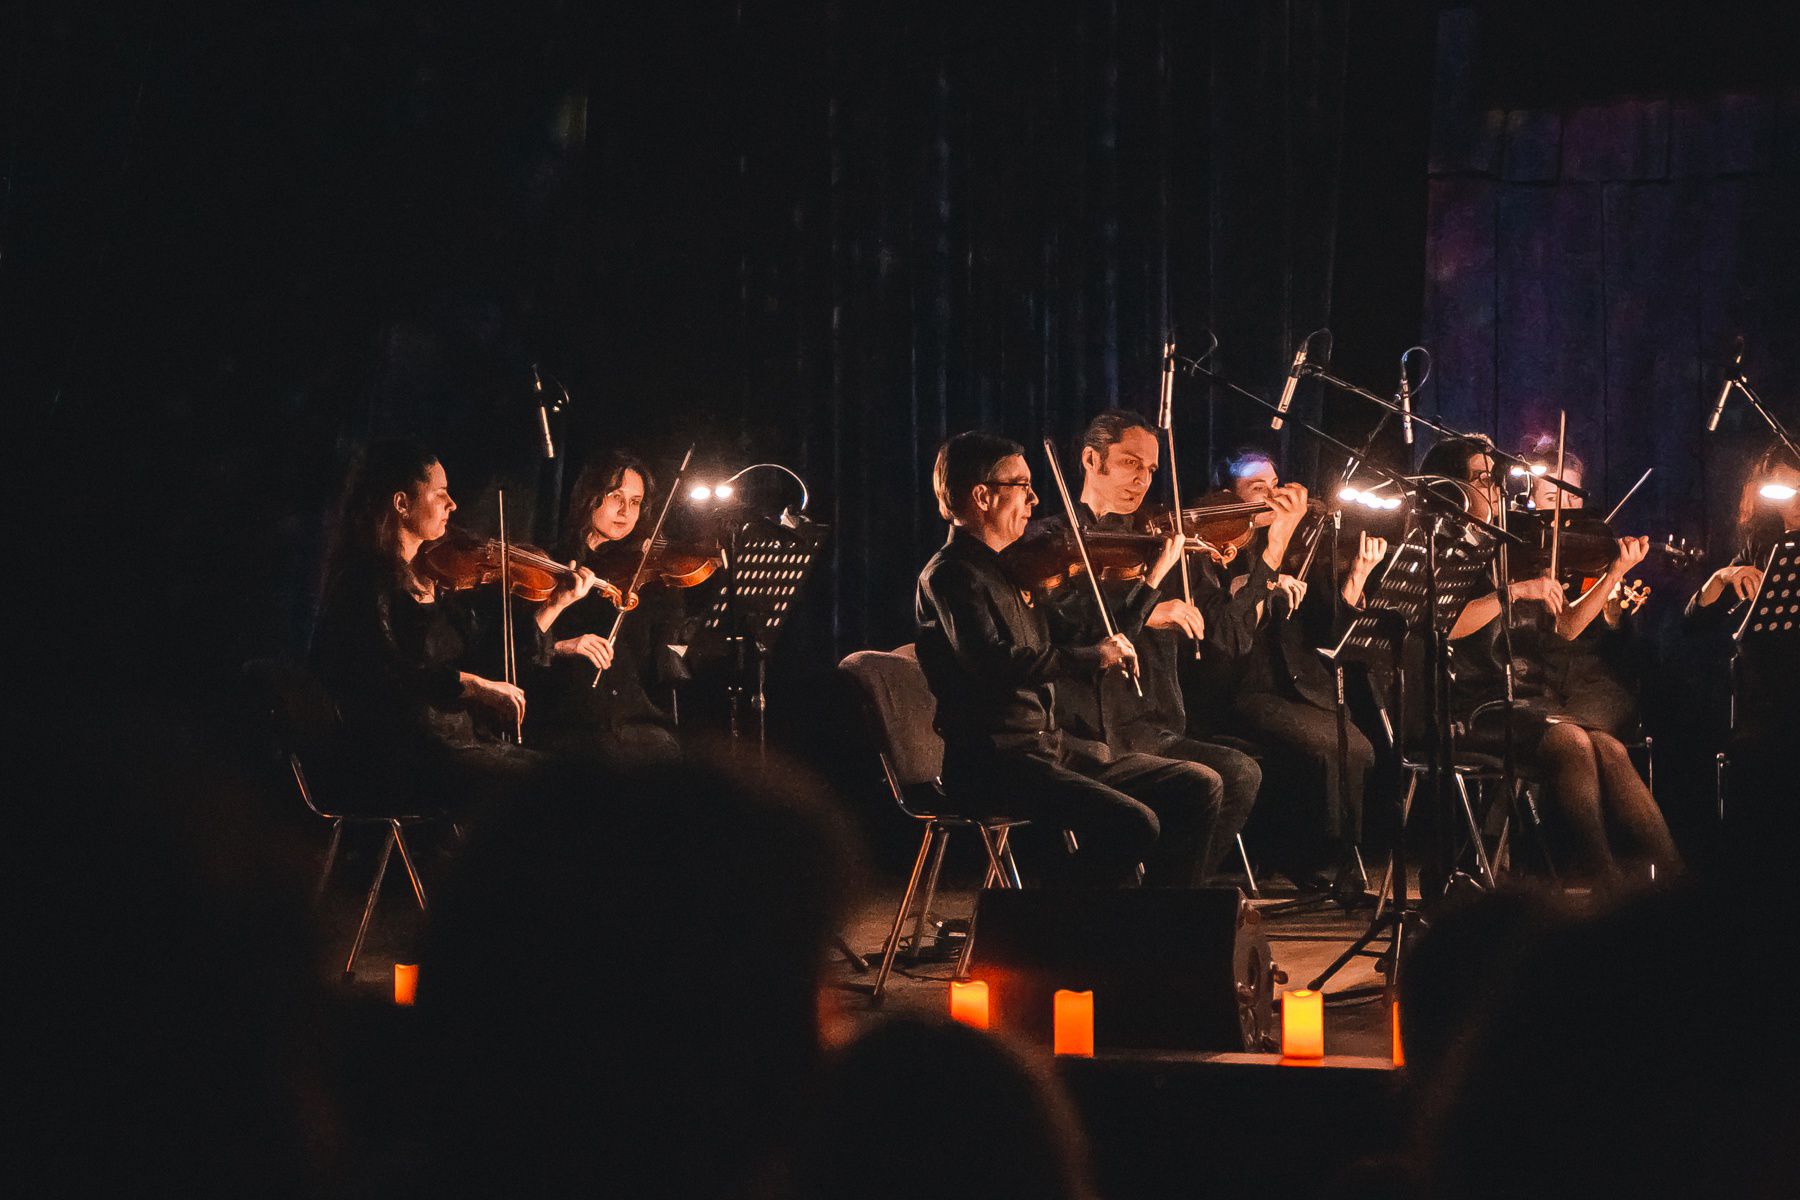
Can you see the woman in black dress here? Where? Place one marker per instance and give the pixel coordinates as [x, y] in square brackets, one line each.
[1589, 777]
[405, 660]
[590, 694]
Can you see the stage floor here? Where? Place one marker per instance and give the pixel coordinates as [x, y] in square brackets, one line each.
[1302, 944]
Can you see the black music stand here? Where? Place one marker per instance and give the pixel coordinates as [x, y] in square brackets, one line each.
[1421, 593]
[1768, 637]
[767, 563]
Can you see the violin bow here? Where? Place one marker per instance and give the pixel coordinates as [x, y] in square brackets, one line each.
[1562, 428]
[1165, 417]
[1062, 489]
[509, 657]
[1628, 495]
[637, 572]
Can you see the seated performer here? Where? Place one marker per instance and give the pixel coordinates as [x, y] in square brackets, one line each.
[1589, 777]
[1119, 454]
[1286, 697]
[401, 657]
[986, 651]
[1592, 667]
[590, 695]
[1761, 820]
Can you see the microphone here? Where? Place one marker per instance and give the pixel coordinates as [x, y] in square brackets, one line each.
[1734, 373]
[1165, 408]
[1287, 393]
[537, 385]
[1405, 399]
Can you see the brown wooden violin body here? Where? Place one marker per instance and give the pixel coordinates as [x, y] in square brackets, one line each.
[459, 560]
[672, 564]
[1589, 546]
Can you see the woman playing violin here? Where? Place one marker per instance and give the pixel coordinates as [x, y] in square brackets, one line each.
[405, 659]
[589, 693]
[1590, 778]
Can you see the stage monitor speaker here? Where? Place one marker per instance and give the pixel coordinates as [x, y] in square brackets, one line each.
[1170, 970]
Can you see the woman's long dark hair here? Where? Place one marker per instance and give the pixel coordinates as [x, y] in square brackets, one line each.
[365, 531]
[1451, 456]
[1759, 525]
[602, 474]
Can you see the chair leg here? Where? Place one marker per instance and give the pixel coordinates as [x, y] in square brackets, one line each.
[940, 839]
[362, 930]
[1249, 872]
[1011, 864]
[331, 851]
[411, 871]
[1481, 858]
[996, 869]
[893, 938]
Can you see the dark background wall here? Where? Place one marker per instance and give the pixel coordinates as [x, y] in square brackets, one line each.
[826, 234]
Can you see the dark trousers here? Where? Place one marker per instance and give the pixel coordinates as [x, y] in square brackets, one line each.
[1302, 768]
[1123, 810]
[1240, 779]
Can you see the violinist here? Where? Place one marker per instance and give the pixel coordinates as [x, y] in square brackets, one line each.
[986, 651]
[612, 719]
[1590, 779]
[1592, 661]
[1286, 698]
[1119, 456]
[404, 659]
[1761, 752]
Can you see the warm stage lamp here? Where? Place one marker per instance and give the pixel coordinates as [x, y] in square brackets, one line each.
[1777, 491]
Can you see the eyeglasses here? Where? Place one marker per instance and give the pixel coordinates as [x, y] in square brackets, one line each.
[1006, 483]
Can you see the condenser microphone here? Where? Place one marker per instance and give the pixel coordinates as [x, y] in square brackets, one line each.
[1287, 393]
[1732, 374]
[1404, 397]
[1165, 408]
[537, 385]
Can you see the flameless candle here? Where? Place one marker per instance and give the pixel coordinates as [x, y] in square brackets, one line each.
[1399, 1052]
[969, 1002]
[406, 982]
[1074, 1023]
[1302, 1024]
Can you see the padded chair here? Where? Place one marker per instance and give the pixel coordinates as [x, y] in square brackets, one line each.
[307, 731]
[899, 707]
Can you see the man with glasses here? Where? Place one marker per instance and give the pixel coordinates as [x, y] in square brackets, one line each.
[986, 650]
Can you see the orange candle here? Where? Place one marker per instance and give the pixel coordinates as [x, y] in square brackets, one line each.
[1302, 1024]
[406, 982]
[1399, 1051]
[969, 1002]
[1074, 1023]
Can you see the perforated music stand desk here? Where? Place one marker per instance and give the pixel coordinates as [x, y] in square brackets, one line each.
[1774, 615]
[771, 564]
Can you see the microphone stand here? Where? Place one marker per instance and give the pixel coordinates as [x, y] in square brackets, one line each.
[1787, 439]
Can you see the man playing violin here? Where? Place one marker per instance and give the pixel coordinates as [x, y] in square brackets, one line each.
[986, 651]
[1286, 698]
[591, 695]
[1119, 457]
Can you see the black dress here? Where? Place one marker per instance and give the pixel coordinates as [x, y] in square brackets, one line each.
[392, 663]
[615, 720]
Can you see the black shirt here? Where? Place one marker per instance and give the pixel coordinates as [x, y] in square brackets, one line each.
[986, 650]
[1108, 708]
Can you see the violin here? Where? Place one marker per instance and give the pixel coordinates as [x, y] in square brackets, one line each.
[1043, 560]
[458, 561]
[1589, 545]
[674, 564]
[1221, 524]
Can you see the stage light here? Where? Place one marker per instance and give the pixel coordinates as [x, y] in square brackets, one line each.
[1518, 471]
[700, 493]
[723, 491]
[1777, 491]
[969, 1002]
[1348, 494]
[1074, 1023]
[1539, 469]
